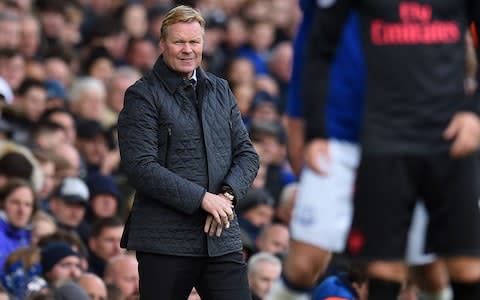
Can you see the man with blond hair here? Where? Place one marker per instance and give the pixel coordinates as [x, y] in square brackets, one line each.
[187, 153]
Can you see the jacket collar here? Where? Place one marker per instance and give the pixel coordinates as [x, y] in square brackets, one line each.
[173, 80]
[14, 232]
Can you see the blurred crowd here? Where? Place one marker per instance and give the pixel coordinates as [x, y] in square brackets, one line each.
[64, 69]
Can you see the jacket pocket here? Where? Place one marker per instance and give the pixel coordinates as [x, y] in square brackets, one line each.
[164, 140]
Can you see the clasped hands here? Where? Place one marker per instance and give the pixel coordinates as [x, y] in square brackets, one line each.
[220, 213]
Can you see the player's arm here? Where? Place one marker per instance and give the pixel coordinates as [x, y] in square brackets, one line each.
[328, 21]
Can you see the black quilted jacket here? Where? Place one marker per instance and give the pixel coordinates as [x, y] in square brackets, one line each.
[174, 153]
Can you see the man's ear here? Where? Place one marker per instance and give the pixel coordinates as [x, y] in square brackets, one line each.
[161, 45]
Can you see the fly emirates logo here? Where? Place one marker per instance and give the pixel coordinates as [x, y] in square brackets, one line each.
[416, 27]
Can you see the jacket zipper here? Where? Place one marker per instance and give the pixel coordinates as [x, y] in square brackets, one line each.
[169, 135]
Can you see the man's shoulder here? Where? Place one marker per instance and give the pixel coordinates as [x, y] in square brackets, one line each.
[212, 78]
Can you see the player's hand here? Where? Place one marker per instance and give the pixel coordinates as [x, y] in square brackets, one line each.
[316, 153]
[212, 227]
[464, 130]
[219, 207]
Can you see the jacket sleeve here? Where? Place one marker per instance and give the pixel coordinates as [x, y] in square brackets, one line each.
[138, 132]
[321, 44]
[245, 161]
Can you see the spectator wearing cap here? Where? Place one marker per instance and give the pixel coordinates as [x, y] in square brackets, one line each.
[255, 212]
[69, 204]
[59, 263]
[72, 239]
[105, 197]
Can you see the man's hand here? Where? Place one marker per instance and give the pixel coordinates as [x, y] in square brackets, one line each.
[464, 129]
[219, 207]
[212, 227]
[314, 151]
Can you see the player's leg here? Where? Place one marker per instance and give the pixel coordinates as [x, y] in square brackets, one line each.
[451, 198]
[320, 223]
[384, 199]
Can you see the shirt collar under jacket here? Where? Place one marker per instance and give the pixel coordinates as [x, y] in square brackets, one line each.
[194, 77]
[173, 80]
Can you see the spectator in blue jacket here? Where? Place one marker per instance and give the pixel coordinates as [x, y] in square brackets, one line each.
[17, 204]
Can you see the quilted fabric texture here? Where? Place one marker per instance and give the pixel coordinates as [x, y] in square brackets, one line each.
[173, 152]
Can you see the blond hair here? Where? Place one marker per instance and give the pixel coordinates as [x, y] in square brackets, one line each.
[180, 14]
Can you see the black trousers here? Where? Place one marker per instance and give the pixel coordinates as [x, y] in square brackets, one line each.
[167, 277]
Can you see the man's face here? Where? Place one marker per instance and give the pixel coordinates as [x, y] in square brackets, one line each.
[68, 268]
[261, 281]
[94, 286]
[34, 103]
[70, 214]
[67, 122]
[125, 276]
[116, 92]
[275, 240]
[94, 149]
[259, 216]
[182, 48]
[104, 205]
[19, 206]
[107, 244]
